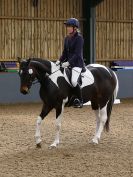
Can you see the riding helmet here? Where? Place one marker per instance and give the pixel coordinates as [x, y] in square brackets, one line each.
[72, 22]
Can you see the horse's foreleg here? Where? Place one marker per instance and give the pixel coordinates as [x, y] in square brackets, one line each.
[101, 118]
[59, 114]
[45, 111]
[38, 134]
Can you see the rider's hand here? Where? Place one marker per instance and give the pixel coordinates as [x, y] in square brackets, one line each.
[57, 62]
[65, 64]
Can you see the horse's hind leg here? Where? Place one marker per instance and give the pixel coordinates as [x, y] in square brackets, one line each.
[59, 114]
[101, 117]
[97, 114]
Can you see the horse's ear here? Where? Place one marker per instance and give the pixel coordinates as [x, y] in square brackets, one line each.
[28, 61]
[19, 59]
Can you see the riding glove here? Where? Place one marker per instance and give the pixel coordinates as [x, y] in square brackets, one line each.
[57, 62]
[65, 64]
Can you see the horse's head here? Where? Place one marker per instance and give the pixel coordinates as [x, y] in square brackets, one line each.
[27, 75]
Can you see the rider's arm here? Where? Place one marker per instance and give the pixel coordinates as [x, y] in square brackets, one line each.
[63, 57]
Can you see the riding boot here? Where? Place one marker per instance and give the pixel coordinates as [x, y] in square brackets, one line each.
[78, 102]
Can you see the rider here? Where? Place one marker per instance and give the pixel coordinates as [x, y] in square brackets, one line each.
[73, 55]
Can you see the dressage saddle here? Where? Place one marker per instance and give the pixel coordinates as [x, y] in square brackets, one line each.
[68, 71]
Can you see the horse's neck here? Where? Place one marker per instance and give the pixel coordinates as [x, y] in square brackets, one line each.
[54, 67]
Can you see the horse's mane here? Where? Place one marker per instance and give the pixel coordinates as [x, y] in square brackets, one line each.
[42, 63]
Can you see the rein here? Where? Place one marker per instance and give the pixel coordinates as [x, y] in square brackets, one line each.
[37, 81]
[54, 72]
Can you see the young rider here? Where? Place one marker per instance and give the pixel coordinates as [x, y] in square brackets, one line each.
[73, 55]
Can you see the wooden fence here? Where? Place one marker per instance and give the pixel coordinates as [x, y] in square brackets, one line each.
[35, 31]
[114, 30]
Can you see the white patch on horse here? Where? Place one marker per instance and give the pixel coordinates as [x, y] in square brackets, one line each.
[56, 73]
[58, 125]
[38, 134]
[101, 118]
[21, 71]
[100, 66]
[30, 71]
[87, 78]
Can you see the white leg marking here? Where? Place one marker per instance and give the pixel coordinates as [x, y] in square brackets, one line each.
[58, 126]
[38, 134]
[97, 113]
[101, 120]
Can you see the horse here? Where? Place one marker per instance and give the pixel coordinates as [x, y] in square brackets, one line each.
[99, 86]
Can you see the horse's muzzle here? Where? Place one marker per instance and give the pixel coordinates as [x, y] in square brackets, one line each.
[24, 90]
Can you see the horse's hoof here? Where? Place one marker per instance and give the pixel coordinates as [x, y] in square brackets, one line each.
[94, 141]
[38, 145]
[53, 146]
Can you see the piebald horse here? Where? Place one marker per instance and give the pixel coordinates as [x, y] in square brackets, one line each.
[99, 86]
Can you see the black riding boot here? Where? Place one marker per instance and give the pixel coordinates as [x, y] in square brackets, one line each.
[78, 102]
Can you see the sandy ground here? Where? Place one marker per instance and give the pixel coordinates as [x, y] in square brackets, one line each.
[76, 156]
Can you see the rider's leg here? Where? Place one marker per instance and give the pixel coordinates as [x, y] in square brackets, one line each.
[75, 75]
[78, 103]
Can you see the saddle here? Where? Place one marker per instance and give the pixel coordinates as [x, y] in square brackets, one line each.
[69, 75]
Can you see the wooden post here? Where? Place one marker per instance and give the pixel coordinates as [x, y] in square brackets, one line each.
[89, 13]
[89, 32]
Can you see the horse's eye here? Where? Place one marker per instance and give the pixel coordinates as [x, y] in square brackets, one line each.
[30, 71]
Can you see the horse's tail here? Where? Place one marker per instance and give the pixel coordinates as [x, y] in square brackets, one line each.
[116, 87]
[111, 102]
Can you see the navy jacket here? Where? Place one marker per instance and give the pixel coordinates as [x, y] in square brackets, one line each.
[73, 51]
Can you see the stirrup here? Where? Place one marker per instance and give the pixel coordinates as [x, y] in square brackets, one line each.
[77, 103]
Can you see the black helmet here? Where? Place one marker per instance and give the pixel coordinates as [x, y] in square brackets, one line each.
[72, 22]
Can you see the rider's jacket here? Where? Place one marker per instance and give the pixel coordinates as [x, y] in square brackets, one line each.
[73, 50]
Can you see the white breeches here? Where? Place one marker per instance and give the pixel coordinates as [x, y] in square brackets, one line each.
[75, 75]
